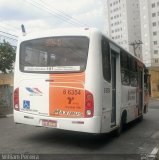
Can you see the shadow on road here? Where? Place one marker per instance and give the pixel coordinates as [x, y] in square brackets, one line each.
[75, 139]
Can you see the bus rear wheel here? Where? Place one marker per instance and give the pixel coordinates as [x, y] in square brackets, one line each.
[119, 130]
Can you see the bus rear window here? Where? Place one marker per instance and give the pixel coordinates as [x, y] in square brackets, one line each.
[54, 55]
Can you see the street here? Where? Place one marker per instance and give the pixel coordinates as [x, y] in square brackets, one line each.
[138, 138]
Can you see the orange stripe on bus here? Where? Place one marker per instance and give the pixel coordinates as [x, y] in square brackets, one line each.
[66, 95]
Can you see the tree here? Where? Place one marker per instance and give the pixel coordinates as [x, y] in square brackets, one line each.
[7, 56]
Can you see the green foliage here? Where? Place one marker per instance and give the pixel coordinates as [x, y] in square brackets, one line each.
[7, 57]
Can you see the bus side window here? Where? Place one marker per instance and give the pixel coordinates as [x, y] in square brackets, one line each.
[106, 60]
[133, 79]
[133, 73]
[125, 73]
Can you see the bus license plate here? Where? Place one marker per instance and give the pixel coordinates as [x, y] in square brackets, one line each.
[49, 123]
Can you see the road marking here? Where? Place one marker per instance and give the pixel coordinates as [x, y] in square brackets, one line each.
[154, 152]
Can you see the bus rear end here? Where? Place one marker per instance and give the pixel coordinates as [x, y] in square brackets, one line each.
[49, 84]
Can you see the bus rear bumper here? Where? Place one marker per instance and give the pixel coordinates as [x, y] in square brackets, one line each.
[88, 125]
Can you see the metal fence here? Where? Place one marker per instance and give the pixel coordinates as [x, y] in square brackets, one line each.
[6, 99]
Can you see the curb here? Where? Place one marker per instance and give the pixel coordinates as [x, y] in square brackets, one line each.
[153, 99]
[5, 116]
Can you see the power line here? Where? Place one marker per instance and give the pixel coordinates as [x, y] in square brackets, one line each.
[54, 13]
[51, 12]
[4, 27]
[13, 39]
[65, 15]
[61, 15]
[10, 26]
[7, 28]
[135, 45]
[11, 45]
[9, 34]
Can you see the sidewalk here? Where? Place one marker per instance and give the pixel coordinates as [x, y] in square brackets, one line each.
[4, 116]
[6, 112]
[153, 99]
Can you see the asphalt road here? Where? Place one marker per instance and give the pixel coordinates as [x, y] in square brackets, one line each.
[139, 138]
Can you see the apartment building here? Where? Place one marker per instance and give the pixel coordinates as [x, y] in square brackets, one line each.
[150, 38]
[124, 24]
[150, 31]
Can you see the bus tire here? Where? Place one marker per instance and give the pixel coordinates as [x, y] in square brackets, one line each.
[119, 130]
[145, 108]
[141, 118]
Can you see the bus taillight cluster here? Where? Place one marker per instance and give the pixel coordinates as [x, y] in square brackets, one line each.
[16, 99]
[89, 104]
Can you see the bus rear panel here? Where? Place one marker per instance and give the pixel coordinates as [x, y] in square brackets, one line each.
[50, 88]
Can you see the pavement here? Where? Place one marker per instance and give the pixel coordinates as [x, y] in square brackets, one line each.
[155, 152]
[154, 155]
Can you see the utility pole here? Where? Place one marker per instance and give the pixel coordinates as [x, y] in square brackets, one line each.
[135, 45]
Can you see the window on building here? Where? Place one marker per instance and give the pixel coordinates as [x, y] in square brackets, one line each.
[155, 42]
[154, 24]
[155, 51]
[156, 60]
[153, 14]
[154, 33]
[153, 5]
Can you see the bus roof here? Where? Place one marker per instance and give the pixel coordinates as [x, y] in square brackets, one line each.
[58, 32]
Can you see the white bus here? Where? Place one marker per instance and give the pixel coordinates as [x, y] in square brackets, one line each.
[78, 80]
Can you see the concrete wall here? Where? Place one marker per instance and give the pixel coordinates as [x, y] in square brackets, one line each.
[154, 83]
[6, 79]
[6, 93]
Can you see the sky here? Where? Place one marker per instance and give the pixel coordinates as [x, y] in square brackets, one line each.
[38, 15]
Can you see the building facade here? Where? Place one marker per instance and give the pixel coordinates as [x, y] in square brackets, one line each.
[150, 31]
[134, 24]
[124, 24]
[150, 38]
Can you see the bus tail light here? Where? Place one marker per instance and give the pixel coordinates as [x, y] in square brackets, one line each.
[89, 104]
[16, 99]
